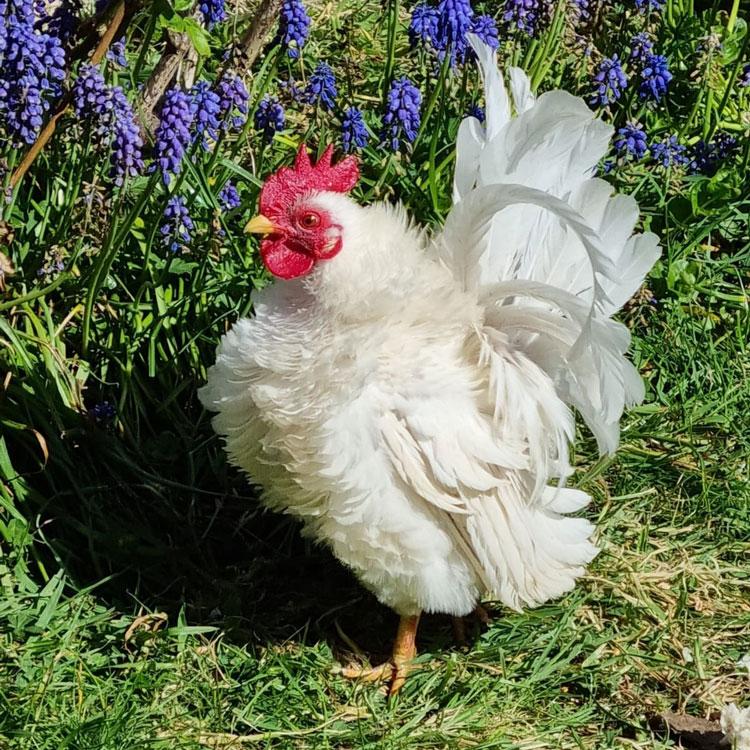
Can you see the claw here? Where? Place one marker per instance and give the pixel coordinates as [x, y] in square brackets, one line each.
[397, 669]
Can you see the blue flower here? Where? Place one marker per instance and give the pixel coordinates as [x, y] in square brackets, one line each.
[294, 27]
[206, 108]
[113, 118]
[402, 117]
[233, 99]
[32, 64]
[646, 6]
[631, 141]
[270, 117]
[655, 77]
[522, 15]
[669, 153]
[91, 95]
[172, 136]
[486, 29]
[102, 413]
[127, 142]
[353, 130]
[213, 12]
[229, 198]
[581, 11]
[116, 53]
[454, 21]
[744, 81]
[476, 110]
[423, 26]
[322, 86]
[176, 229]
[609, 81]
[641, 47]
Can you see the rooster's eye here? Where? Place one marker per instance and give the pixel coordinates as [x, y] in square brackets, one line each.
[309, 221]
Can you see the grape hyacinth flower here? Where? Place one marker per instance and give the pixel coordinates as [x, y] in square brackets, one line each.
[486, 29]
[127, 142]
[321, 88]
[213, 12]
[206, 108]
[631, 141]
[745, 77]
[477, 111]
[581, 11]
[172, 137]
[402, 117]
[176, 229]
[655, 77]
[669, 153]
[32, 65]
[610, 81]
[229, 198]
[522, 15]
[641, 47]
[294, 27]
[102, 413]
[113, 118]
[353, 130]
[116, 53]
[646, 6]
[270, 117]
[423, 26]
[233, 99]
[454, 21]
[91, 95]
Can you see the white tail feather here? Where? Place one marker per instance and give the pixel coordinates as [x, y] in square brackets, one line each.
[551, 250]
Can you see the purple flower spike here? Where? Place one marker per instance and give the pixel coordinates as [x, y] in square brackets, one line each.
[206, 108]
[353, 130]
[655, 77]
[321, 87]
[454, 21]
[176, 229]
[641, 47]
[669, 153]
[631, 141]
[233, 99]
[402, 117]
[522, 15]
[423, 27]
[610, 81]
[646, 6]
[229, 198]
[173, 137]
[486, 29]
[213, 12]
[270, 117]
[294, 27]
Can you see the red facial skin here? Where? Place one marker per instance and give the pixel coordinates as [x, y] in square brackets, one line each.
[304, 234]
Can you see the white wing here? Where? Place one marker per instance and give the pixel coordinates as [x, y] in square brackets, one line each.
[547, 246]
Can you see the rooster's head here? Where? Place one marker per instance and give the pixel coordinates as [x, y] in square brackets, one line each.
[298, 230]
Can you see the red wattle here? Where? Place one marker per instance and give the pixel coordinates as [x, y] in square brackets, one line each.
[283, 261]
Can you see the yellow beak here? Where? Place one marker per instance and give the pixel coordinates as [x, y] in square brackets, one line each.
[260, 225]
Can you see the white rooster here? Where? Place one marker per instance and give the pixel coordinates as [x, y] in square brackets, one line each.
[408, 395]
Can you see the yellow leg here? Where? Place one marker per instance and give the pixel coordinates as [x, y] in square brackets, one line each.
[404, 650]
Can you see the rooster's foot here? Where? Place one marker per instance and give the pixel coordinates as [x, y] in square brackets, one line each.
[397, 669]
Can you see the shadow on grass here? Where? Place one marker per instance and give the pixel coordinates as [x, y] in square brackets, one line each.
[164, 524]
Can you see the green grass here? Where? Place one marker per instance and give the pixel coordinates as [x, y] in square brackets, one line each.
[146, 599]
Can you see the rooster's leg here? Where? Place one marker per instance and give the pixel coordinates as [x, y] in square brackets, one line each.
[404, 650]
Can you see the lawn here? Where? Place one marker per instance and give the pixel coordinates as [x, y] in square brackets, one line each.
[146, 598]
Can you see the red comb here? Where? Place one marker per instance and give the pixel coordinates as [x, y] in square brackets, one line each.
[286, 184]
